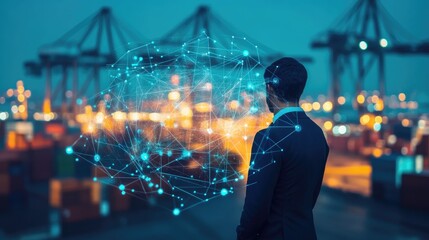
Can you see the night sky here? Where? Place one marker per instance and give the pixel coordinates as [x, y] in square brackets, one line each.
[287, 26]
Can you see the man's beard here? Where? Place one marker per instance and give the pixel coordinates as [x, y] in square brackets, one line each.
[270, 104]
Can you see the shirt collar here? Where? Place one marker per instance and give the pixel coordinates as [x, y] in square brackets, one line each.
[286, 110]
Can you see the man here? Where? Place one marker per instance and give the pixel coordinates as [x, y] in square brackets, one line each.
[287, 163]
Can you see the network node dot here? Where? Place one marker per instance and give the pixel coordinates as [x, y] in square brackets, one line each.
[176, 212]
[69, 150]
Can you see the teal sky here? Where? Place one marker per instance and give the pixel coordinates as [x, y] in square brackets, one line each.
[287, 26]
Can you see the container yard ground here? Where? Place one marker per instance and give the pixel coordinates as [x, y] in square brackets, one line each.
[338, 215]
[344, 211]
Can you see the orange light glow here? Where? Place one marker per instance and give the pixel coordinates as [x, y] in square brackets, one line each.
[341, 100]
[175, 79]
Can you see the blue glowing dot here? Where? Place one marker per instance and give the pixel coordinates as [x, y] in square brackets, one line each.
[160, 191]
[298, 128]
[94, 179]
[122, 187]
[144, 156]
[245, 53]
[69, 150]
[79, 101]
[186, 153]
[96, 157]
[223, 192]
[169, 153]
[104, 208]
[253, 109]
[176, 212]
[123, 192]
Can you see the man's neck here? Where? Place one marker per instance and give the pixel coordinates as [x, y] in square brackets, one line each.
[282, 105]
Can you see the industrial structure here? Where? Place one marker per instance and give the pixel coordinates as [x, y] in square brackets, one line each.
[88, 47]
[96, 43]
[363, 37]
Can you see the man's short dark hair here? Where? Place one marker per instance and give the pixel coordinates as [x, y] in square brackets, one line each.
[287, 77]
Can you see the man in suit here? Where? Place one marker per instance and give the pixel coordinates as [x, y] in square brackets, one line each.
[287, 162]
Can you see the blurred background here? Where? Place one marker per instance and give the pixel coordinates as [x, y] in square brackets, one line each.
[367, 89]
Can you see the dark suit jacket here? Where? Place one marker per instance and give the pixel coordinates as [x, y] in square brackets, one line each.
[286, 170]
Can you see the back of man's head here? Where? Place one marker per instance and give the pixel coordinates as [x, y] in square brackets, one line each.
[287, 77]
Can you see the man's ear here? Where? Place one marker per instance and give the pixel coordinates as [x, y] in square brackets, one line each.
[271, 92]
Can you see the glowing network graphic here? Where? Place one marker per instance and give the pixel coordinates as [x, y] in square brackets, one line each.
[177, 123]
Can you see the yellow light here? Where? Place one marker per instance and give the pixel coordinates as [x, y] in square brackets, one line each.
[327, 106]
[90, 128]
[48, 116]
[379, 106]
[21, 98]
[186, 111]
[155, 117]
[46, 106]
[377, 152]
[341, 100]
[21, 108]
[11, 140]
[360, 99]
[316, 106]
[203, 107]
[99, 118]
[234, 104]
[364, 119]
[174, 95]
[307, 107]
[88, 109]
[80, 118]
[405, 122]
[134, 116]
[20, 89]
[119, 116]
[402, 97]
[186, 124]
[378, 119]
[328, 125]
